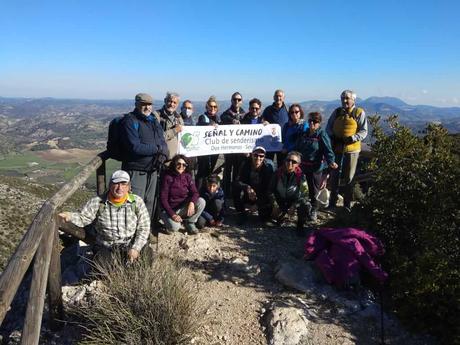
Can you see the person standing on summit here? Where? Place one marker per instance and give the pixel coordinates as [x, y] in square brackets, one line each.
[232, 116]
[144, 148]
[276, 113]
[347, 127]
[171, 122]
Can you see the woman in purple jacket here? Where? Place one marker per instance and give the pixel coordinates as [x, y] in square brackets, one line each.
[179, 197]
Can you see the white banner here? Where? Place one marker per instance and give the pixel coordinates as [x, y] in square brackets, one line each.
[207, 140]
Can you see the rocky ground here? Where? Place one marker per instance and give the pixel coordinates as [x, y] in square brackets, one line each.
[258, 289]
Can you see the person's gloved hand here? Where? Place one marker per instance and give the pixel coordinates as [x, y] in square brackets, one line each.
[348, 140]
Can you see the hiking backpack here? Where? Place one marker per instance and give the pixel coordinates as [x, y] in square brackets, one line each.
[114, 143]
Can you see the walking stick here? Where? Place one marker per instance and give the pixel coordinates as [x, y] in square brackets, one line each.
[156, 207]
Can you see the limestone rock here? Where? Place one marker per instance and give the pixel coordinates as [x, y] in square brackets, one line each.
[287, 325]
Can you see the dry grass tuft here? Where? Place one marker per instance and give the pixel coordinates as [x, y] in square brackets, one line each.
[143, 303]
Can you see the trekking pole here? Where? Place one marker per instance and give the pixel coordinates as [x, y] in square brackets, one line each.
[156, 207]
[382, 330]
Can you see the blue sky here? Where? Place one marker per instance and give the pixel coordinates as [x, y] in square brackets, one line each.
[311, 49]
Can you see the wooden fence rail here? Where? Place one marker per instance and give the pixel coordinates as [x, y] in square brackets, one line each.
[42, 241]
[42, 235]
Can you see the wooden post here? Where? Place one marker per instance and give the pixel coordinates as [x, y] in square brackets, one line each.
[100, 179]
[19, 262]
[34, 312]
[56, 311]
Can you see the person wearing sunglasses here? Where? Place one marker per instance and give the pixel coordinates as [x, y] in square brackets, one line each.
[207, 164]
[317, 156]
[290, 190]
[253, 117]
[179, 197]
[251, 186]
[347, 127]
[232, 116]
[292, 129]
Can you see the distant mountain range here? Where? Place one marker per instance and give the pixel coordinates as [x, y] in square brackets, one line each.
[415, 116]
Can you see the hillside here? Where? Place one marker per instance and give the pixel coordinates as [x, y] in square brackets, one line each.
[20, 200]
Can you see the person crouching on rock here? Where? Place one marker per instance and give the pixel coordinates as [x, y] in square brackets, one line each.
[252, 184]
[213, 194]
[120, 219]
[179, 197]
[290, 189]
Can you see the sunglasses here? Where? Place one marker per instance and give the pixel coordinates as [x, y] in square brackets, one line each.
[254, 108]
[294, 112]
[237, 99]
[293, 161]
[256, 155]
[313, 121]
[180, 164]
[212, 106]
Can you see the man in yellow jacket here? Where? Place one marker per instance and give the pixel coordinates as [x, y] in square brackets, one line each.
[347, 127]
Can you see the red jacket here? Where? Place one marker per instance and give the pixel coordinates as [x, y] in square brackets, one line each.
[341, 253]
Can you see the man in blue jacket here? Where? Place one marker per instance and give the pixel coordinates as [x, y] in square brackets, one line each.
[276, 113]
[144, 149]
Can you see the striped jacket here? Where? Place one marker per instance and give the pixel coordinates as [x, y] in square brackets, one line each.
[128, 224]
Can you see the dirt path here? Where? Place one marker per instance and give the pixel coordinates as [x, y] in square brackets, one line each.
[234, 270]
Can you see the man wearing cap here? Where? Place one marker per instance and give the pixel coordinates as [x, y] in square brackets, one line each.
[121, 220]
[251, 185]
[347, 127]
[144, 149]
[171, 122]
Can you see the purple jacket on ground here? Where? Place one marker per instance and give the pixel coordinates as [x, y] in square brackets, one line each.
[176, 190]
[341, 253]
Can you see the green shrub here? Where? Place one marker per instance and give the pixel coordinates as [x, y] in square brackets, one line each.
[143, 303]
[414, 208]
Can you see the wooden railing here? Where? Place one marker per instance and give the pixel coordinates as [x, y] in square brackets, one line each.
[41, 241]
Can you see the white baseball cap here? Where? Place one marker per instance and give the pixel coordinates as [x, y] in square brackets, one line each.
[120, 176]
[259, 148]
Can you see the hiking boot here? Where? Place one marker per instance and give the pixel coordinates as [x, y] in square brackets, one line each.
[242, 218]
[269, 223]
[301, 231]
[314, 215]
[191, 228]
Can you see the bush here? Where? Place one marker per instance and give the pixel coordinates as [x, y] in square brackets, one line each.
[414, 208]
[143, 303]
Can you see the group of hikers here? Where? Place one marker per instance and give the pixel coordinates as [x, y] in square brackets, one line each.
[187, 191]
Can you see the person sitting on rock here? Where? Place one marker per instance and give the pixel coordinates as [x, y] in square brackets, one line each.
[121, 220]
[179, 197]
[290, 190]
[213, 214]
[251, 185]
